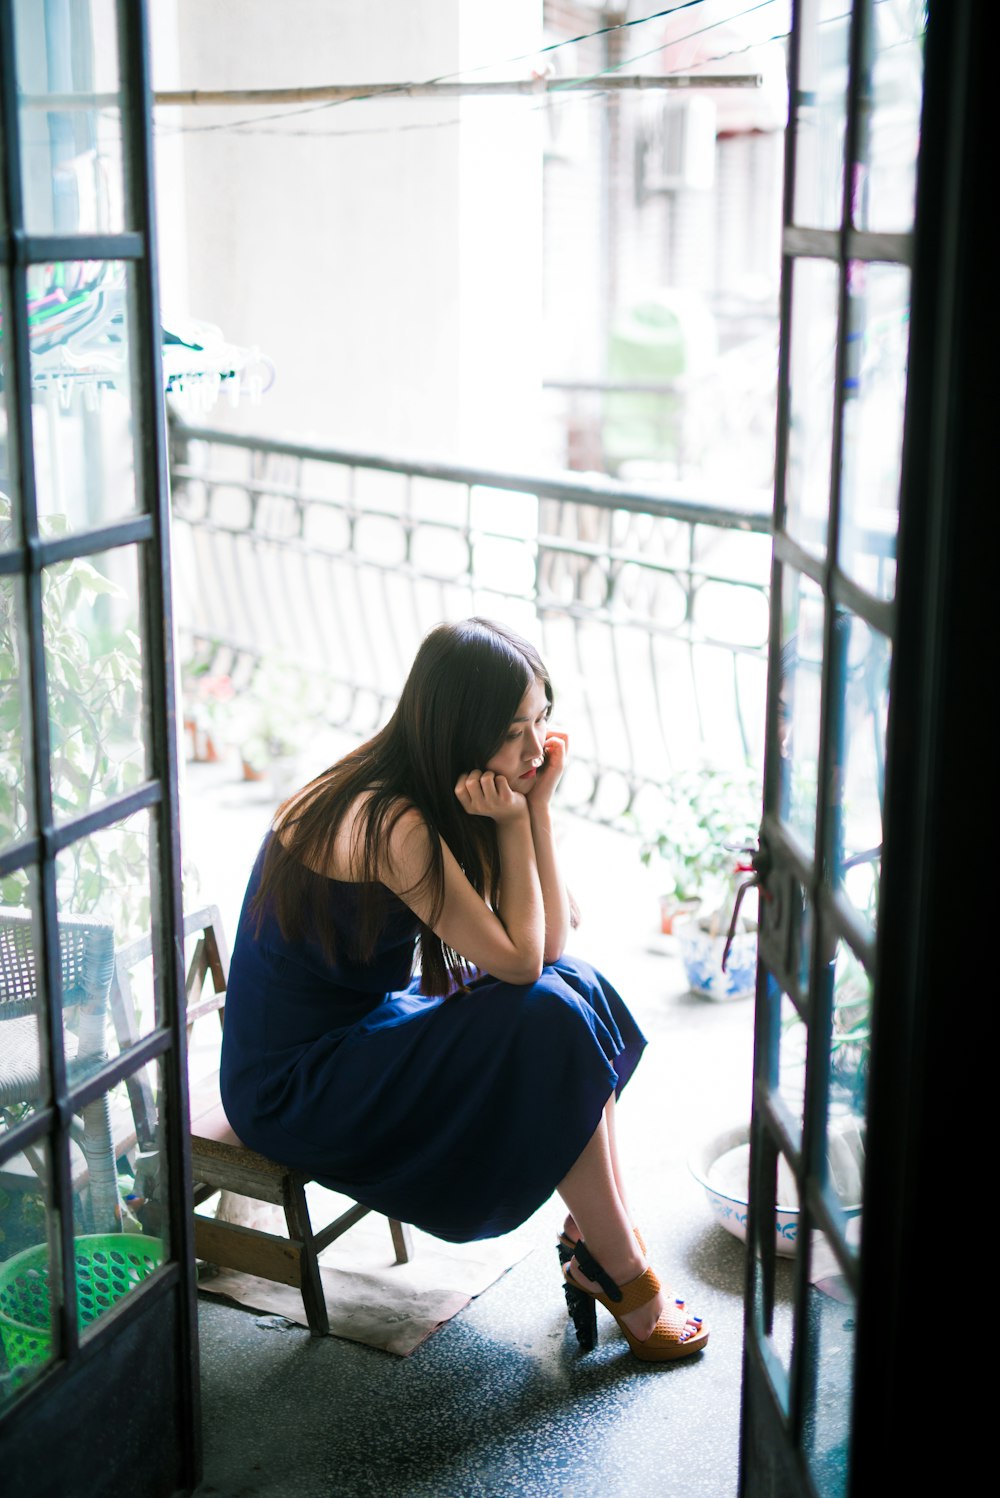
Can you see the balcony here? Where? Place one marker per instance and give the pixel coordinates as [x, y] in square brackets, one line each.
[651, 612]
[325, 566]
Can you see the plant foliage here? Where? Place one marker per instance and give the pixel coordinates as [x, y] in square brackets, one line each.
[710, 812]
[93, 680]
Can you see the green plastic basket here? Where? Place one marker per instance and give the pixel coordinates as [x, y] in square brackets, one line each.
[108, 1266]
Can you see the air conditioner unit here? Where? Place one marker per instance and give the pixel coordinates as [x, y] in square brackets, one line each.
[677, 145]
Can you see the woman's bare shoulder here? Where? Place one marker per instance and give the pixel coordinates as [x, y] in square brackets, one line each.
[408, 845]
[405, 845]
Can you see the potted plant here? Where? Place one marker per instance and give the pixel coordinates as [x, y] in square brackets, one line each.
[272, 718]
[207, 699]
[711, 814]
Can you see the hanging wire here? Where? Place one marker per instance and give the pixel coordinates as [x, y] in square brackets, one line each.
[554, 98]
[251, 126]
[558, 94]
[675, 41]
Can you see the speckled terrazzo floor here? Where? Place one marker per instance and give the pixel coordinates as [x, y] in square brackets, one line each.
[500, 1401]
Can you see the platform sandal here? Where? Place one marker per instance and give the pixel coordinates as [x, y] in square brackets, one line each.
[670, 1337]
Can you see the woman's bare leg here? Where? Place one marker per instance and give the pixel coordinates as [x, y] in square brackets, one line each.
[609, 1114]
[590, 1191]
[570, 1228]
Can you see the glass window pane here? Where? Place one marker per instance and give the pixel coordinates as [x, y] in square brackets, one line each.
[80, 323]
[120, 1207]
[863, 720]
[850, 1053]
[23, 1056]
[70, 118]
[812, 356]
[820, 115]
[9, 521]
[792, 1060]
[892, 94]
[848, 1000]
[874, 399]
[787, 946]
[104, 884]
[29, 1275]
[774, 1313]
[17, 807]
[94, 677]
[827, 1422]
[804, 950]
[799, 702]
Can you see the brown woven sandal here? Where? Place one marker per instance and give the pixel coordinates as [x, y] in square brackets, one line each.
[670, 1337]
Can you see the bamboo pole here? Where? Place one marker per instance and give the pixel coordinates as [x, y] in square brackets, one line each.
[331, 93]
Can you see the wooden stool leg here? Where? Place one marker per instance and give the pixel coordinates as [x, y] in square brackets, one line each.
[402, 1241]
[300, 1227]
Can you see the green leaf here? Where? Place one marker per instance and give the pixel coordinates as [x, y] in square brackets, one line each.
[69, 667]
[14, 888]
[95, 582]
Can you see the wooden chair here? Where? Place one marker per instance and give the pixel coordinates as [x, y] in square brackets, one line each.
[221, 1162]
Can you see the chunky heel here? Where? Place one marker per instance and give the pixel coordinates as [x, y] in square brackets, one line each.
[581, 1306]
[582, 1310]
[583, 1314]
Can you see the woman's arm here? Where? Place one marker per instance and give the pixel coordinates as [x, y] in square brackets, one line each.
[508, 945]
[554, 896]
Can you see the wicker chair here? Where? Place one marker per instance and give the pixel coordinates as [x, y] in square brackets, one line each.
[87, 956]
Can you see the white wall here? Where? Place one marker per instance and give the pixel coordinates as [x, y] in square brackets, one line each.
[394, 275]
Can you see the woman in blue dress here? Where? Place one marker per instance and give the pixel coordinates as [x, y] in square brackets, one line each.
[459, 1101]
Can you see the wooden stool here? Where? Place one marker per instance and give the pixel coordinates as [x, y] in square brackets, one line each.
[222, 1162]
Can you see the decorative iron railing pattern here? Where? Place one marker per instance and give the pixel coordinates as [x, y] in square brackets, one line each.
[651, 612]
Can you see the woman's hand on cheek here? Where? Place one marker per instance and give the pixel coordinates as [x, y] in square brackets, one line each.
[556, 750]
[482, 793]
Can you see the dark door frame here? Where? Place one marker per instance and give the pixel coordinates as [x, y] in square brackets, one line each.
[937, 825]
[117, 1411]
[938, 808]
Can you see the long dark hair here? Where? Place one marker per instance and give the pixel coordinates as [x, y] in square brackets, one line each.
[460, 697]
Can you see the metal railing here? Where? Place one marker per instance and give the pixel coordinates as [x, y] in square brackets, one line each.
[651, 612]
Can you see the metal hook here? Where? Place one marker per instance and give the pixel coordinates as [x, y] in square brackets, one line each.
[760, 863]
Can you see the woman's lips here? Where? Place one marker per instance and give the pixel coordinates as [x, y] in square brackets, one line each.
[529, 774]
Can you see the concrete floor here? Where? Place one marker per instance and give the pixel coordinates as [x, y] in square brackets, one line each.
[500, 1401]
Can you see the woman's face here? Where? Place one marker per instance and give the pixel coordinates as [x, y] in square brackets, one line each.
[520, 755]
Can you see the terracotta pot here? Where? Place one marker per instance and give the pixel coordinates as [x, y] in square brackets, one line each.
[671, 910]
[202, 746]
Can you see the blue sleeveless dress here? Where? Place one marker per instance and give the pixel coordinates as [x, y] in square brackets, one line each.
[459, 1115]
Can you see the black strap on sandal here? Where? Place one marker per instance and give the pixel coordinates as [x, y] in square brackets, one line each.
[590, 1267]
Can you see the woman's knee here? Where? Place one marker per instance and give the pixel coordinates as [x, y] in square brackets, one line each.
[557, 1001]
[576, 972]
